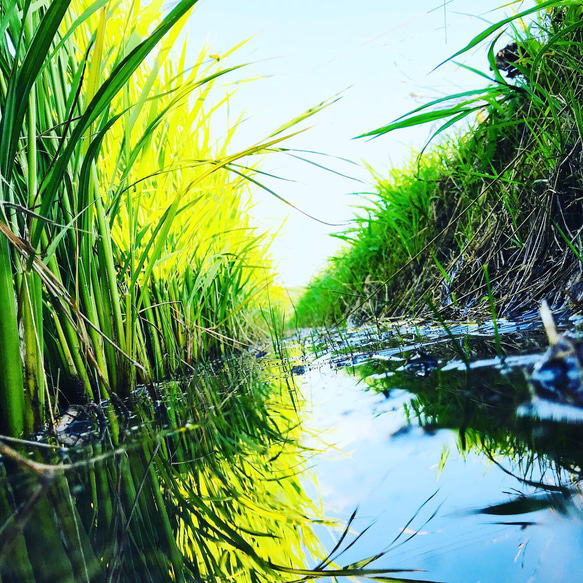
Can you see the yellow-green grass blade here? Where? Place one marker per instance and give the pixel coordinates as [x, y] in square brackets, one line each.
[101, 102]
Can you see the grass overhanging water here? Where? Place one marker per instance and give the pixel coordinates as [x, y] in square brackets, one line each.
[126, 253]
[499, 200]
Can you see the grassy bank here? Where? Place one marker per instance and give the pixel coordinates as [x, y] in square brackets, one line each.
[126, 251]
[490, 217]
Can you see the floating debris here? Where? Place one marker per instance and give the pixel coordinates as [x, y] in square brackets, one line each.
[78, 425]
[558, 374]
[420, 364]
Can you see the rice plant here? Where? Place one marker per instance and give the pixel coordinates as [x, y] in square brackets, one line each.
[126, 252]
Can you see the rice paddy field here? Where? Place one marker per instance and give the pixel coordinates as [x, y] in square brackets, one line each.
[168, 413]
[127, 250]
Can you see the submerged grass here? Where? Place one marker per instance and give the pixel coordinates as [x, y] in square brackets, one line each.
[126, 251]
[502, 198]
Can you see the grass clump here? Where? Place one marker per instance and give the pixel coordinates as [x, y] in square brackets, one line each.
[503, 197]
[126, 252]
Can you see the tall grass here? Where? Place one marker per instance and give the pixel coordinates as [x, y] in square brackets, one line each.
[126, 253]
[502, 197]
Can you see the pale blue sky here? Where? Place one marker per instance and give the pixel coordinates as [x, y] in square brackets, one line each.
[380, 54]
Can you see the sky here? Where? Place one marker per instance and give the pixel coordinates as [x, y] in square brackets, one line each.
[379, 56]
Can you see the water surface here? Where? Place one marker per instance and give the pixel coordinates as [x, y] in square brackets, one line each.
[440, 445]
[412, 451]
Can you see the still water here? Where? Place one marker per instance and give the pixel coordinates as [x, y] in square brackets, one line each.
[449, 463]
[411, 452]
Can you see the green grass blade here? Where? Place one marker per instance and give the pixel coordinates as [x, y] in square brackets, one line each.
[498, 25]
[463, 108]
[18, 91]
[101, 102]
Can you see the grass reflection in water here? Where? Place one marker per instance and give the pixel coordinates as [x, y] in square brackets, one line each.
[200, 485]
[490, 403]
[203, 485]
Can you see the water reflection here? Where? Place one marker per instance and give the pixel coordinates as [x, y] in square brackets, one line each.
[433, 437]
[202, 486]
[451, 478]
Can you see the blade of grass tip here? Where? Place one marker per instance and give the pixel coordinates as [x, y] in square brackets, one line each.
[326, 168]
[498, 25]
[453, 97]
[281, 198]
[409, 120]
[480, 73]
[258, 172]
[306, 114]
[323, 155]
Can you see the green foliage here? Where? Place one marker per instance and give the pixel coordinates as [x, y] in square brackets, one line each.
[126, 252]
[503, 196]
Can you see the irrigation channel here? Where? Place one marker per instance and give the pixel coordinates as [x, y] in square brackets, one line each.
[415, 451]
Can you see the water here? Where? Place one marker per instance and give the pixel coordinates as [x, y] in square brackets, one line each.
[435, 446]
[455, 466]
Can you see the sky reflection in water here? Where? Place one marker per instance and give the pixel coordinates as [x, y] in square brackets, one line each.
[388, 469]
